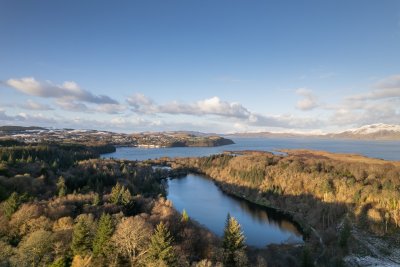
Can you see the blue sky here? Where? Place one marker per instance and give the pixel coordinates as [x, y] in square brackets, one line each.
[214, 66]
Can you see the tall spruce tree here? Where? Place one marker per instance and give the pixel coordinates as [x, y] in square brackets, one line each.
[103, 235]
[161, 250]
[126, 196]
[120, 195]
[11, 204]
[233, 240]
[61, 187]
[81, 238]
[185, 216]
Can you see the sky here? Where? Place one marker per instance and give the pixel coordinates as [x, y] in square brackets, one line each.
[218, 66]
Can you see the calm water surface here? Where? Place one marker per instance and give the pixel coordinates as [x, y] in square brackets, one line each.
[204, 202]
[208, 205]
[389, 150]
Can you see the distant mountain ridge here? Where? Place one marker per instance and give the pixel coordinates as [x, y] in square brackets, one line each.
[7, 128]
[378, 131]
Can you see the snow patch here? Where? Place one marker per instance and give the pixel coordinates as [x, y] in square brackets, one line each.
[375, 128]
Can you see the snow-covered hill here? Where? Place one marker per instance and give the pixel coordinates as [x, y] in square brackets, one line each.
[379, 131]
[375, 128]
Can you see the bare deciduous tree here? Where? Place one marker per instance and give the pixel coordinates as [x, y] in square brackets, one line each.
[131, 239]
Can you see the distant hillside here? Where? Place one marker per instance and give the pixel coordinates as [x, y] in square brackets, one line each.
[94, 137]
[378, 131]
[19, 128]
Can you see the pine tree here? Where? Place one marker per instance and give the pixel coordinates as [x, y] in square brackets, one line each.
[125, 170]
[161, 249]
[29, 159]
[60, 262]
[116, 194]
[11, 204]
[103, 235]
[233, 240]
[10, 159]
[54, 165]
[61, 187]
[185, 216]
[81, 238]
[120, 195]
[96, 199]
[126, 196]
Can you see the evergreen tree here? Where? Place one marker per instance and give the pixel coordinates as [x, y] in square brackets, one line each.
[233, 240]
[103, 235]
[125, 170]
[60, 262]
[120, 195]
[11, 204]
[116, 194]
[185, 216]
[126, 196]
[81, 238]
[10, 159]
[61, 187]
[345, 233]
[161, 250]
[96, 199]
[54, 165]
[29, 159]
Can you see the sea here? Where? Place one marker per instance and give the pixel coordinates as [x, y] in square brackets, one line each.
[387, 150]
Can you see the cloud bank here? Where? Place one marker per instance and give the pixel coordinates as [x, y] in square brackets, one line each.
[68, 90]
[67, 96]
[214, 106]
[378, 103]
[211, 106]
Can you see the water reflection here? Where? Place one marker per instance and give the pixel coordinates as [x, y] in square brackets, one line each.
[268, 215]
[208, 205]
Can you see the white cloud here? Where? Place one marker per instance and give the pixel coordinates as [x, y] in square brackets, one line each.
[24, 118]
[75, 106]
[4, 116]
[210, 106]
[386, 88]
[71, 105]
[384, 111]
[68, 90]
[142, 104]
[287, 121]
[308, 102]
[68, 96]
[380, 104]
[110, 108]
[32, 105]
[234, 111]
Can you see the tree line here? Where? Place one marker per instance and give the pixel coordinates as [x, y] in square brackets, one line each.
[61, 205]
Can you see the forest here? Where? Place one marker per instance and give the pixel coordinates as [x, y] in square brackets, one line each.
[62, 205]
[339, 200]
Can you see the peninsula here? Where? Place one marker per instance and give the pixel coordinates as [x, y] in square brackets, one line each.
[35, 135]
